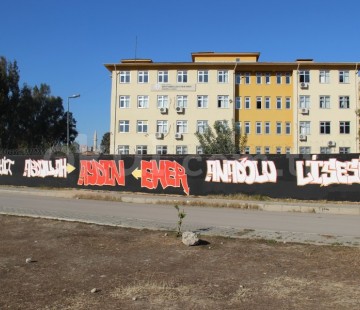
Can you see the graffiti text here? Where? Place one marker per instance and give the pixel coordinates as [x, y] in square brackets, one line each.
[240, 171]
[104, 172]
[328, 172]
[169, 173]
[5, 166]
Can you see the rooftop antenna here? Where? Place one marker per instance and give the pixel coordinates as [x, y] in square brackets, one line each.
[135, 47]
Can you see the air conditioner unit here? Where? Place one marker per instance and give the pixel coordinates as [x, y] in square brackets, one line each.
[163, 110]
[331, 144]
[159, 135]
[179, 109]
[304, 85]
[304, 111]
[178, 136]
[303, 137]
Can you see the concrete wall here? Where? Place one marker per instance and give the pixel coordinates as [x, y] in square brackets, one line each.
[278, 176]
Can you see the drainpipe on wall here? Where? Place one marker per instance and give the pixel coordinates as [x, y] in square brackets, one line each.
[297, 110]
[115, 103]
[357, 98]
[234, 99]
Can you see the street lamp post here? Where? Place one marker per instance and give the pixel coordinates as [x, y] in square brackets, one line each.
[67, 127]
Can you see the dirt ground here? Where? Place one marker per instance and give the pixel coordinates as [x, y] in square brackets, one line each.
[141, 269]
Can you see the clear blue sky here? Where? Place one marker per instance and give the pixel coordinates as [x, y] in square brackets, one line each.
[66, 43]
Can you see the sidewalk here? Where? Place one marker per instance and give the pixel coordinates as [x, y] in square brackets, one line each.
[276, 205]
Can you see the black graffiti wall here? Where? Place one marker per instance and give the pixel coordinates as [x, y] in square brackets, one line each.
[314, 177]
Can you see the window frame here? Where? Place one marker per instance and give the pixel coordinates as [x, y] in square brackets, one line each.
[124, 77]
[325, 127]
[223, 101]
[202, 101]
[163, 76]
[124, 102]
[143, 77]
[203, 76]
[124, 126]
[223, 76]
[143, 125]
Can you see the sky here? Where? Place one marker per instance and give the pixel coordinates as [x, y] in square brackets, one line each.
[66, 43]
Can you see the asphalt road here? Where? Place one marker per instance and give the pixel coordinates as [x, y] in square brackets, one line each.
[279, 226]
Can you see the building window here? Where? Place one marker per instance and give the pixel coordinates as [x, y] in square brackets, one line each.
[202, 102]
[238, 103]
[305, 150]
[288, 128]
[238, 128]
[258, 102]
[288, 103]
[324, 77]
[182, 76]
[278, 78]
[143, 77]
[278, 103]
[223, 102]
[267, 128]
[238, 78]
[247, 128]
[162, 126]
[247, 78]
[259, 78]
[124, 77]
[181, 149]
[162, 101]
[247, 103]
[142, 126]
[123, 150]
[199, 150]
[161, 149]
[304, 102]
[344, 102]
[224, 123]
[304, 128]
[267, 103]
[124, 126]
[182, 101]
[267, 78]
[124, 102]
[222, 76]
[325, 128]
[344, 77]
[143, 102]
[181, 127]
[258, 126]
[304, 76]
[287, 150]
[278, 150]
[325, 150]
[201, 126]
[267, 150]
[247, 150]
[344, 150]
[203, 76]
[141, 149]
[324, 102]
[278, 128]
[163, 77]
[258, 149]
[287, 78]
[344, 127]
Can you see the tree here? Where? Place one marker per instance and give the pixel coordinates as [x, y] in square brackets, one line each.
[225, 139]
[105, 143]
[30, 117]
